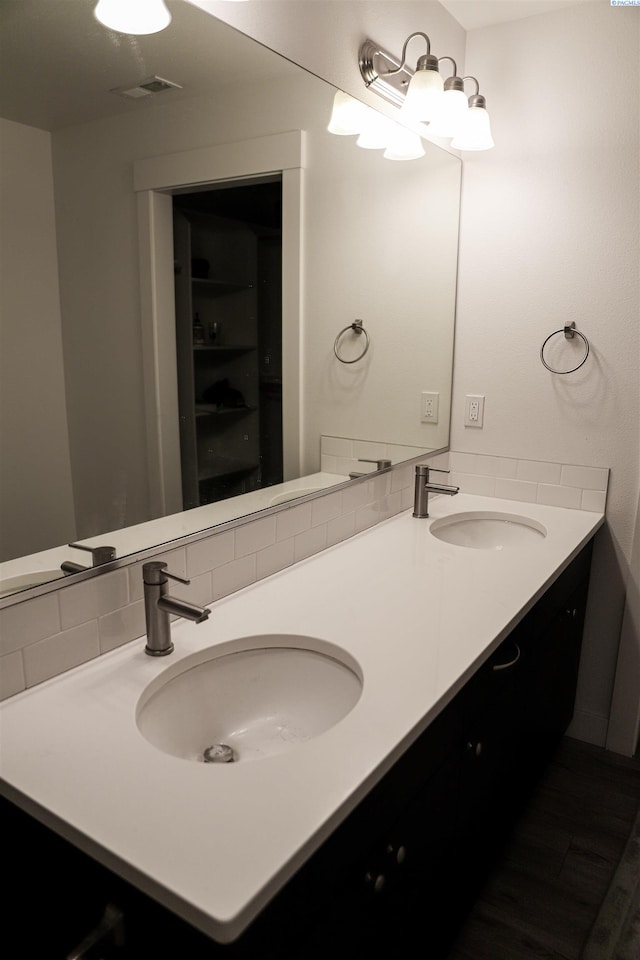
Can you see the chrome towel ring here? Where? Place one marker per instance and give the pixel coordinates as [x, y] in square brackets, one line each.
[570, 332]
[358, 329]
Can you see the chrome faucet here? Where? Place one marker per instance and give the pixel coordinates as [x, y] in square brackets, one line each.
[98, 555]
[424, 488]
[380, 465]
[158, 606]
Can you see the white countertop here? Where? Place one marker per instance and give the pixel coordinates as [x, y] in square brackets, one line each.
[215, 842]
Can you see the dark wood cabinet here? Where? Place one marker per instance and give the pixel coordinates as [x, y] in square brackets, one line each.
[398, 876]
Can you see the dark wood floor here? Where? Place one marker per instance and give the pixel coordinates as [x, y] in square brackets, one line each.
[542, 898]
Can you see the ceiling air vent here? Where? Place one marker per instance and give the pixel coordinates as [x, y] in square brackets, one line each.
[146, 88]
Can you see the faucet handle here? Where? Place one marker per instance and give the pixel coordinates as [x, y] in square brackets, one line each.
[155, 572]
[380, 464]
[98, 554]
[423, 470]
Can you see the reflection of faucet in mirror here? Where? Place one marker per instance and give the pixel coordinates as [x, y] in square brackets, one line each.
[158, 605]
[98, 555]
[424, 487]
[380, 465]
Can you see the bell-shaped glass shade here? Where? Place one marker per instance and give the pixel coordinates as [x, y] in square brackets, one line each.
[348, 116]
[450, 114]
[376, 131]
[421, 100]
[133, 16]
[475, 133]
[404, 144]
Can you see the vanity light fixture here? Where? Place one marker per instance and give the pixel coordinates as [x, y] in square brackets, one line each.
[374, 131]
[134, 17]
[424, 97]
[475, 131]
[403, 144]
[451, 107]
[347, 116]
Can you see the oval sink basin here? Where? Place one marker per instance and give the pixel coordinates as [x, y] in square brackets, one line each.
[488, 530]
[271, 695]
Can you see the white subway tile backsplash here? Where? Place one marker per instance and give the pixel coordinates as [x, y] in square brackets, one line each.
[326, 508]
[311, 541]
[210, 553]
[538, 471]
[12, 679]
[293, 521]
[356, 495]
[556, 496]
[85, 601]
[50, 634]
[29, 621]
[470, 483]
[47, 658]
[589, 478]
[255, 536]
[341, 528]
[369, 449]
[516, 490]
[120, 626]
[594, 500]
[531, 481]
[274, 558]
[234, 576]
[328, 463]
[402, 477]
[336, 446]
[463, 462]
[506, 467]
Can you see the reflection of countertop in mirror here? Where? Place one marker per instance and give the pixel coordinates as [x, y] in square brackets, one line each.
[390, 598]
[28, 571]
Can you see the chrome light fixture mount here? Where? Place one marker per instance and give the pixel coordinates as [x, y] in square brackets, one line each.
[390, 84]
[390, 77]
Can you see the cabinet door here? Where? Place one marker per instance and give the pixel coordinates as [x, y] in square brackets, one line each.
[554, 673]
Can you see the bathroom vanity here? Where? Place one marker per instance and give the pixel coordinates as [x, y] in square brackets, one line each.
[372, 834]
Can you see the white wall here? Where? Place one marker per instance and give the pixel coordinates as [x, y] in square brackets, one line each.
[550, 234]
[388, 213]
[36, 501]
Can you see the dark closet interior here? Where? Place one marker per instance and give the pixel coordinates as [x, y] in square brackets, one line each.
[228, 292]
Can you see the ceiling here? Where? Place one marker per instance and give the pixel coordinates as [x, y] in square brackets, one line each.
[472, 14]
[59, 66]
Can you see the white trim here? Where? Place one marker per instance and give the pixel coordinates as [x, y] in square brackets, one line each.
[624, 716]
[155, 179]
[160, 375]
[225, 161]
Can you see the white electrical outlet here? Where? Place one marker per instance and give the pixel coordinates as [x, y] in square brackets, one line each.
[473, 410]
[429, 403]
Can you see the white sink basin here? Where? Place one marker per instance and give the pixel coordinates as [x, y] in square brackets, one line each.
[269, 696]
[488, 530]
[26, 580]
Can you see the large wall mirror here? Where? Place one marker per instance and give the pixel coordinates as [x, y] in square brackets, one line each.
[92, 400]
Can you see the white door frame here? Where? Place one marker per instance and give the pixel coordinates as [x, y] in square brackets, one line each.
[156, 179]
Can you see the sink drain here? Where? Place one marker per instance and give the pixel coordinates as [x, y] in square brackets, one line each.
[218, 753]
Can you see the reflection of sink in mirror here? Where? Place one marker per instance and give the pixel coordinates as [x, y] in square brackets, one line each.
[250, 703]
[488, 530]
[292, 495]
[26, 580]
